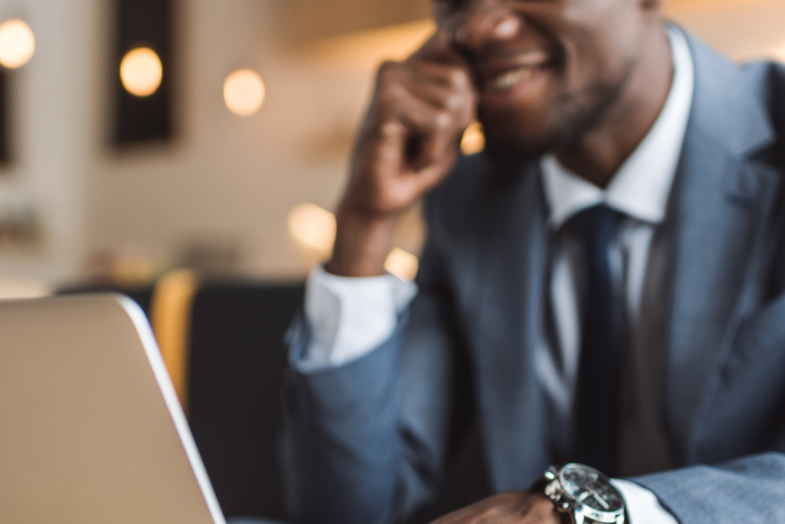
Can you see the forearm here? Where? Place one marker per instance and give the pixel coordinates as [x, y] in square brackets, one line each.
[365, 441]
[340, 446]
[349, 317]
[362, 242]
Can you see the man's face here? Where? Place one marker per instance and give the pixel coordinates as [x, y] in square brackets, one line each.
[546, 70]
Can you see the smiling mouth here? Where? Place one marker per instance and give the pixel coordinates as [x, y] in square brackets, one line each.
[512, 78]
[519, 68]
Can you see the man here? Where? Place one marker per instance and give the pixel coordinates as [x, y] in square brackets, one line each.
[606, 280]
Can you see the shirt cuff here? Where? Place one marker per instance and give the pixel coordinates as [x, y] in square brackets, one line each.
[643, 507]
[350, 317]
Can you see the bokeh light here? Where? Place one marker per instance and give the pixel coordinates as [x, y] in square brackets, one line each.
[17, 43]
[402, 264]
[313, 226]
[779, 54]
[141, 71]
[244, 92]
[473, 140]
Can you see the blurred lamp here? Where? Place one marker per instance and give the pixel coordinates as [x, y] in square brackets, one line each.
[17, 44]
[402, 264]
[141, 71]
[779, 54]
[244, 92]
[313, 226]
[473, 140]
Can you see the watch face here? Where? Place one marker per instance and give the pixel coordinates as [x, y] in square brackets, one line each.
[591, 488]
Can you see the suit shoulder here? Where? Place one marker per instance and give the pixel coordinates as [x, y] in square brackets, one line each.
[463, 192]
[469, 192]
[469, 175]
[769, 80]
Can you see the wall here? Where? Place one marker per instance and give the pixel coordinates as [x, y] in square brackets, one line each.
[50, 113]
[742, 29]
[228, 178]
[225, 179]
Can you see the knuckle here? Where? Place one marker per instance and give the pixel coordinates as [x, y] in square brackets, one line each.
[455, 102]
[388, 71]
[458, 78]
[390, 94]
[386, 66]
[442, 120]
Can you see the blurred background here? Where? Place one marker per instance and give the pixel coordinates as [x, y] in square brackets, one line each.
[204, 166]
[190, 153]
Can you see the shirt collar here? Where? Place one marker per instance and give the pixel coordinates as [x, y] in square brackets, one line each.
[641, 187]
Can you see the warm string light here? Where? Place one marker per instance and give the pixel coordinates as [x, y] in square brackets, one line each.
[244, 92]
[141, 71]
[473, 140]
[313, 226]
[402, 264]
[17, 44]
[779, 54]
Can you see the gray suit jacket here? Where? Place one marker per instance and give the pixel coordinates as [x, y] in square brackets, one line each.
[367, 442]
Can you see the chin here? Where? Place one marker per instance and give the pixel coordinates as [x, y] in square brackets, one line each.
[515, 154]
[515, 141]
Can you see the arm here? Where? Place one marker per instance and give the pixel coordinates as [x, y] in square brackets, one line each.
[349, 317]
[366, 441]
[749, 489]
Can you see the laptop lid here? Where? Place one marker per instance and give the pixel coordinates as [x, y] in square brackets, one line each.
[91, 430]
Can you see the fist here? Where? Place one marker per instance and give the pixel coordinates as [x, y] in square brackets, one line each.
[517, 507]
[410, 138]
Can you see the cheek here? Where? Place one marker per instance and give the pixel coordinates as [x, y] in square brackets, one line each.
[599, 39]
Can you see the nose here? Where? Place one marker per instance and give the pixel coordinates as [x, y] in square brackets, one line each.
[486, 25]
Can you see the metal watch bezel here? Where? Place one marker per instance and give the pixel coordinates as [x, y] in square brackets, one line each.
[565, 503]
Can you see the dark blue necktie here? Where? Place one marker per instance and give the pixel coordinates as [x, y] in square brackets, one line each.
[602, 340]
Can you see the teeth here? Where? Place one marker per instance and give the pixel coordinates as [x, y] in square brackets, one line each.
[511, 78]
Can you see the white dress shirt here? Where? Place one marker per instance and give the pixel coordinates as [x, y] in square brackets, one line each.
[349, 317]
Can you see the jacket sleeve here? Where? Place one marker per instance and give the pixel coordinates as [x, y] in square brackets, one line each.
[749, 489]
[366, 442]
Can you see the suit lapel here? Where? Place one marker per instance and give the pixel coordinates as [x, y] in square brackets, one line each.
[716, 221]
[511, 306]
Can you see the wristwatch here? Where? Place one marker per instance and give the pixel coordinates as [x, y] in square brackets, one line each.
[584, 493]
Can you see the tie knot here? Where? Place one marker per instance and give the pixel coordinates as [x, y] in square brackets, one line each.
[596, 225]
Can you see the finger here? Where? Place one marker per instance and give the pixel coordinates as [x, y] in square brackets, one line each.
[448, 76]
[419, 118]
[444, 86]
[436, 145]
[440, 96]
[432, 139]
[422, 118]
[438, 48]
[422, 133]
[453, 93]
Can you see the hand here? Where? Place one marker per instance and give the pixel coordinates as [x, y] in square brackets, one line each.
[516, 507]
[408, 143]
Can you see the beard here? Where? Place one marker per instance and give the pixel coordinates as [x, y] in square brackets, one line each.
[578, 113]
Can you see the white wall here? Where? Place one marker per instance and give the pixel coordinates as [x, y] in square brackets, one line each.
[224, 177]
[740, 28]
[51, 111]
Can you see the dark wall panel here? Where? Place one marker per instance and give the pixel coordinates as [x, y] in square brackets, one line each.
[5, 106]
[143, 23]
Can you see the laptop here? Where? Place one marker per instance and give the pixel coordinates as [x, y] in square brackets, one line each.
[91, 431]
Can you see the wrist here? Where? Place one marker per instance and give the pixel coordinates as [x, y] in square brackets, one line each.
[583, 493]
[362, 242]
